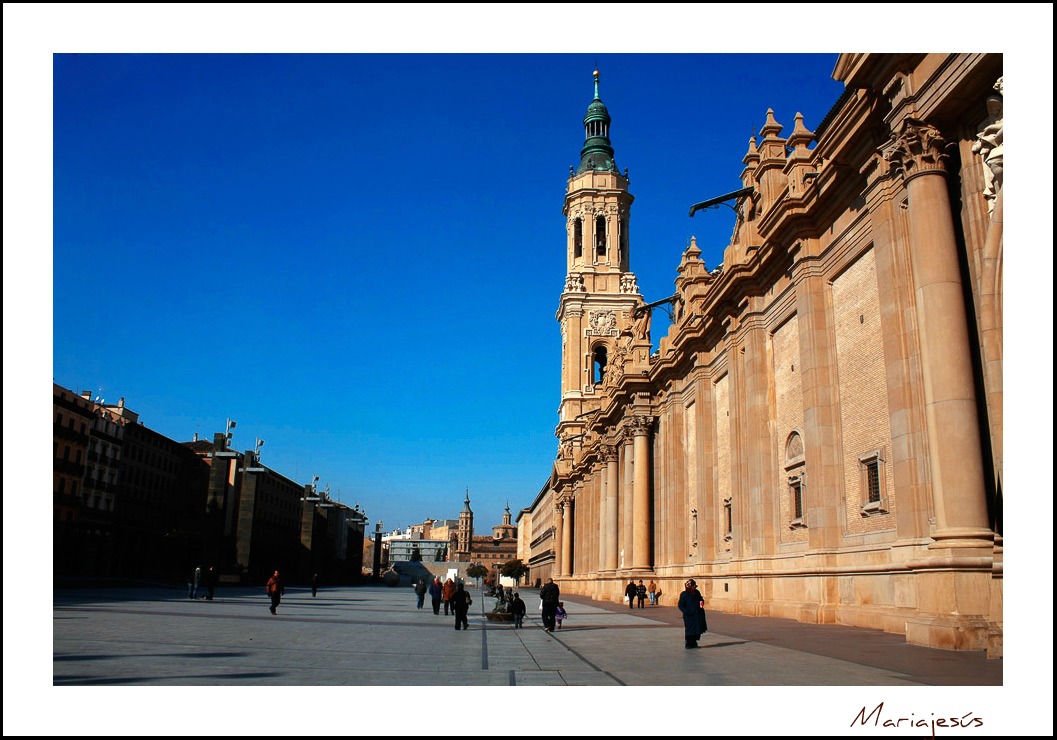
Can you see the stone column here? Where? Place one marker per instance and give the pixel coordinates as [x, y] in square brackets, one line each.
[641, 504]
[603, 517]
[626, 538]
[610, 561]
[955, 458]
[567, 538]
[559, 537]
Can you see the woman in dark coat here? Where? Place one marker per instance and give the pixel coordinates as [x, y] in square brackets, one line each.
[692, 605]
[436, 590]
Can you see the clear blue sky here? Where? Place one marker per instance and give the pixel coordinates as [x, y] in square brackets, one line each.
[231, 225]
[358, 257]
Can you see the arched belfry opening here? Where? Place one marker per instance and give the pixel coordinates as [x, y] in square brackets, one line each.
[600, 236]
[578, 238]
[598, 364]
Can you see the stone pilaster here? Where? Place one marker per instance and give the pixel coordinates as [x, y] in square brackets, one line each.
[759, 453]
[823, 479]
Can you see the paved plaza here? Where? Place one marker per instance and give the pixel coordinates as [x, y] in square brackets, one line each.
[365, 660]
[374, 636]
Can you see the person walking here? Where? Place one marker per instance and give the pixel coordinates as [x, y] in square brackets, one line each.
[461, 603]
[692, 605]
[446, 594]
[517, 608]
[549, 595]
[197, 582]
[275, 590]
[436, 591]
[560, 614]
[314, 583]
[210, 582]
[630, 593]
[652, 591]
[420, 591]
[640, 593]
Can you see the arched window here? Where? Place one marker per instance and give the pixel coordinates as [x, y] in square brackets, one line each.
[599, 364]
[796, 475]
[600, 236]
[578, 238]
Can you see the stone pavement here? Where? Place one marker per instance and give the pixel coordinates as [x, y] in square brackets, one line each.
[374, 636]
[364, 660]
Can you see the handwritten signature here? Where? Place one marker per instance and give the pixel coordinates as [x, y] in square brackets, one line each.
[913, 721]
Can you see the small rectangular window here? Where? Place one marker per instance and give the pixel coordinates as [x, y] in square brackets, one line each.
[872, 483]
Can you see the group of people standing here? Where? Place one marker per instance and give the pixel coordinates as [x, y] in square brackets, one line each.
[454, 596]
[636, 593]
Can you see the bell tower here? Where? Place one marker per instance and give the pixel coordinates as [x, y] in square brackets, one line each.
[464, 544]
[601, 293]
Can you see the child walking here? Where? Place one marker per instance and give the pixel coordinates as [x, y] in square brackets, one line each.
[560, 614]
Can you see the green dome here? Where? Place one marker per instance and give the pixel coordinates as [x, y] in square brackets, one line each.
[597, 153]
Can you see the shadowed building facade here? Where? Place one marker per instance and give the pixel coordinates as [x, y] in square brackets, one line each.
[819, 434]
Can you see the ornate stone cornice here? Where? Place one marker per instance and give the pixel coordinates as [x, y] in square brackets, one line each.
[916, 150]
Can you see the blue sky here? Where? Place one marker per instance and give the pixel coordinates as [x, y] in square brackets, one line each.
[359, 258]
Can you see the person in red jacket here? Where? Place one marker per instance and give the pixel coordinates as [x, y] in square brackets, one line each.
[275, 590]
[447, 593]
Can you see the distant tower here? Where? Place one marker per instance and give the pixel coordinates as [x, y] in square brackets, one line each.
[601, 293]
[506, 530]
[465, 528]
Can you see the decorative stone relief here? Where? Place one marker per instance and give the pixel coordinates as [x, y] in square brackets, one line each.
[916, 150]
[629, 284]
[610, 453]
[615, 369]
[601, 324]
[574, 284]
[989, 146]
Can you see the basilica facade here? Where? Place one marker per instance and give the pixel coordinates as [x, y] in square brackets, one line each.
[818, 436]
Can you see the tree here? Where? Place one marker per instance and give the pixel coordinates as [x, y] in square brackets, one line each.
[416, 554]
[514, 569]
[476, 570]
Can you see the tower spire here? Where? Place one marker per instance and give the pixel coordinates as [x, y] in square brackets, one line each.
[597, 153]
